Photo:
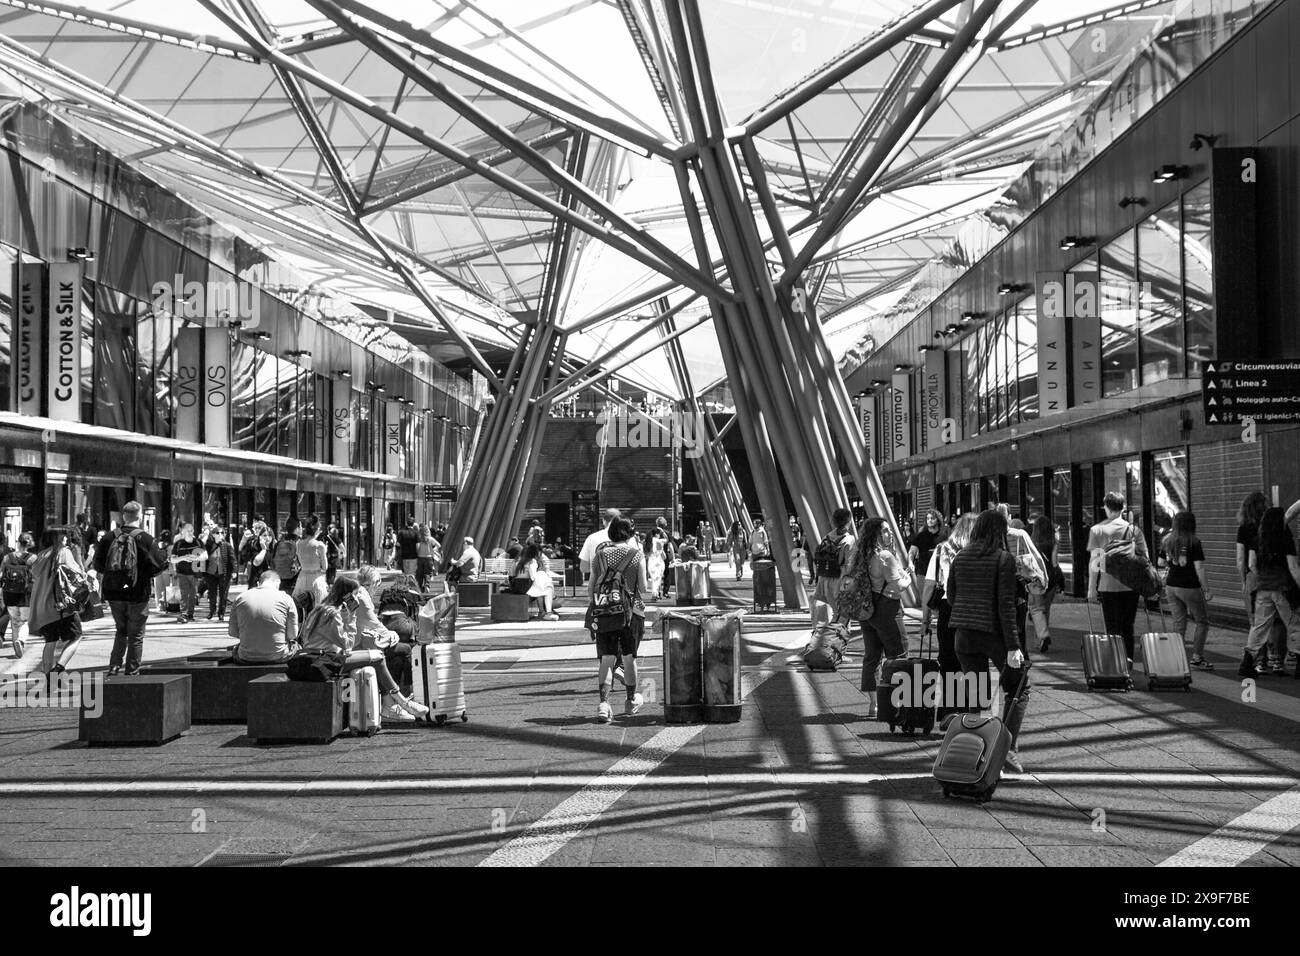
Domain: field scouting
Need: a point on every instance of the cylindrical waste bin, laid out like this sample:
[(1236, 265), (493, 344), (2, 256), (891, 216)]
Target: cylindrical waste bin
[(721, 652), (683, 693), (764, 570), (692, 579)]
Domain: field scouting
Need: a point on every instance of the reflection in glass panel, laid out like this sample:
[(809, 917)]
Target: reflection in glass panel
[(1118, 316), (242, 397), (969, 388), (1169, 489), (114, 362), (146, 350), (361, 443), (1027, 357), (1061, 518), (307, 422), (1198, 277), (287, 407), (1010, 374), (997, 375), (164, 400), (88, 352), (1161, 295), (264, 412)]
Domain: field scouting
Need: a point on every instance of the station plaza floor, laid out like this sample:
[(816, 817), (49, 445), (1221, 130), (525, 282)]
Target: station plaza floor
[(1138, 778)]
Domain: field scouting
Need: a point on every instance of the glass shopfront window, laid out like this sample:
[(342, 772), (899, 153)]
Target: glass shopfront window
[(1198, 277), (1161, 295), (1170, 489), (1118, 306), (265, 399), (1026, 347), (243, 395)]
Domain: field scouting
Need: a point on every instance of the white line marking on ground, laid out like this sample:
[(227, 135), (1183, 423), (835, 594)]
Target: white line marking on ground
[(556, 828), (1238, 841)]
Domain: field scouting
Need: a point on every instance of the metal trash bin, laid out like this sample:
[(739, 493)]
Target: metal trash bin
[(764, 574), (722, 643), (683, 691), (692, 580)]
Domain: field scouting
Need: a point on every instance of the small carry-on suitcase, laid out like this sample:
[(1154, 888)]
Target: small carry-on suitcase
[(914, 714), (974, 751), (1164, 659), (764, 571), (1105, 660), (360, 689), (438, 680), (171, 595)]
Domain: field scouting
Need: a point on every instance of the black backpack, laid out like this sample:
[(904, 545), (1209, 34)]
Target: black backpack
[(826, 559), (123, 558), (16, 576)]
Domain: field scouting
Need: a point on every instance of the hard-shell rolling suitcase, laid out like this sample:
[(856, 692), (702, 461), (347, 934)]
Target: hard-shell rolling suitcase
[(911, 712), (360, 690), (1105, 660), (1164, 659), (764, 571), (974, 751), (438, 680)]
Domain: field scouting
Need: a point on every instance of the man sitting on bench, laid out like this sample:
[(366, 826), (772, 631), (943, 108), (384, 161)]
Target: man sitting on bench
[(264, 620)]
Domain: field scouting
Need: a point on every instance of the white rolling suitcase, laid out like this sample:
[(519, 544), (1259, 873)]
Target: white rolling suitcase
[(360, 690), (438, 680)]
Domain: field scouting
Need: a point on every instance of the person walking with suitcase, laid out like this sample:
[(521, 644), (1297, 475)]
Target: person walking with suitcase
[(737, 544), (982, 591), (1249, 514), (1184, 557), (936, 606), (1119, 603), (878, 568), (126, 561)]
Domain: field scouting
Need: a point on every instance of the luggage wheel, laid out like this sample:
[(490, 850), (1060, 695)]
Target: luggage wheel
[(464, 717), (891, 728), (440, 719)]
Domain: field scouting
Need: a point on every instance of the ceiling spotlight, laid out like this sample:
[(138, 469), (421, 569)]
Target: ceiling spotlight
[(902, 367), (1169, 172), (426, 411), (879, 383), (1133, 201), (1200, 140), (235, 324), (298, 353), (1077, 242), (260, 335), (376, 387)]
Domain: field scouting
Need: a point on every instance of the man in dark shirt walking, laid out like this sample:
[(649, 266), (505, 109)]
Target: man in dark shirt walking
[(126, 561), (408, 547)]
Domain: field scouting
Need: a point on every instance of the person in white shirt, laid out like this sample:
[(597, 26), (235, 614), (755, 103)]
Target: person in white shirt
[(595, 540), (469, 561)]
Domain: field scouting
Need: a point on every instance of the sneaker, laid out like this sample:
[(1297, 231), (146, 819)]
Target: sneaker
[(113, 671), (604, 713), (1279, 668), (1201, 664), (552, 616), (395, 714), (181, 620), (1013, 761), (131, 672), (634, 703), (412, 707), (19, 648), (1247, 668)]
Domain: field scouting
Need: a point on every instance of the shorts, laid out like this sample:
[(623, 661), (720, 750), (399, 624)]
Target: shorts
[(622, 643), (64, 629)]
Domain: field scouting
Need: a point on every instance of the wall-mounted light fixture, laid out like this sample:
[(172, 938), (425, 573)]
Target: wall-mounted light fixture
[(80, 254), (1200, 140), (952, 328), (1011, 288), (879, 383), (260, 335), (376, 387), (1077, 242), (902, 367), (927, 348), (1134, 201), (343, 372), (968, 317), (1169, 172), (298, 353)]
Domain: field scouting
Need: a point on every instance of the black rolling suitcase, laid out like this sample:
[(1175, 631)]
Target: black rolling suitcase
[(974, 751), (913, 686)]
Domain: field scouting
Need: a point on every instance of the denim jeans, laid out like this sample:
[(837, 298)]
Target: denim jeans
[(883, 636), (189, 594), (1040, 610), (1271, 606), (128, 638), (1187, 603)]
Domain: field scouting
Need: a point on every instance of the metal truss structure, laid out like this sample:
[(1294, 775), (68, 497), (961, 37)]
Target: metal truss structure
[(677, 191)]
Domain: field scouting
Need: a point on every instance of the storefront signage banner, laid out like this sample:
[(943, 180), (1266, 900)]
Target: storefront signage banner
[(343, 424), (216, 387), (186, 384), (27, 340), (900, 416), (63, 345), (1053, 363), (395, 450), (867, 413), (934, 398)]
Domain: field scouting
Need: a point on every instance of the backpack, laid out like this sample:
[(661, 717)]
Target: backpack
[(826, 559), (285, 563), (324, 626), (826, 649), (16, 577), (124, 557), (611, 605)]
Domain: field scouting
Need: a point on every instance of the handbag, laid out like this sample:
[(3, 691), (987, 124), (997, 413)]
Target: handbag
[(72, 590), (315, 667)]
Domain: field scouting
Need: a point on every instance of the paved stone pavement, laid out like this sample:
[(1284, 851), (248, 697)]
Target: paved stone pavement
[(802, 779)]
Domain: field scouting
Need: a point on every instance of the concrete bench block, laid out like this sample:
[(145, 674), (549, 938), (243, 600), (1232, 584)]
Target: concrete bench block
[(475, 594), (219, 692), (144, 709), (509, 608), (292, 711)]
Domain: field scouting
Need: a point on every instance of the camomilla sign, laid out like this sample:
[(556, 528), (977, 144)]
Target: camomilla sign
[(76, 909), (216, 303)]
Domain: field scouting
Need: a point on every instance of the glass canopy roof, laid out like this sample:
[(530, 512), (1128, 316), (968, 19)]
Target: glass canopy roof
[(480, 163)]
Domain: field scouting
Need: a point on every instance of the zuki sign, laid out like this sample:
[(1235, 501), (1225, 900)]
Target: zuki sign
[(63, 345)]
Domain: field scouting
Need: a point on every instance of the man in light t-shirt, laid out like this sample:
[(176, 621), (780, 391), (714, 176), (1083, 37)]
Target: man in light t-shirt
[(595, 540)]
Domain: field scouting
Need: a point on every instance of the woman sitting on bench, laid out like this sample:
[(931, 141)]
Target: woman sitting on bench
[(361, 639), (535, 571)]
